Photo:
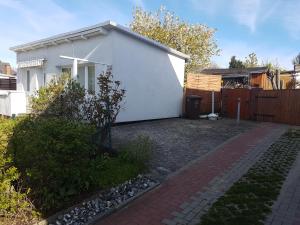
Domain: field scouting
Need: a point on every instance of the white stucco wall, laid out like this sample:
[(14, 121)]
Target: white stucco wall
[(153, 79)]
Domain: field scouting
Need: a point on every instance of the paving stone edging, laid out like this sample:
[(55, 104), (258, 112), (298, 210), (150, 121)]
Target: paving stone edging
[(100, 216), (199, 204)]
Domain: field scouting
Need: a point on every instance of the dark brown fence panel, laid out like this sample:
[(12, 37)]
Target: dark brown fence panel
[(281, 106), (230, 101), (8, 84)]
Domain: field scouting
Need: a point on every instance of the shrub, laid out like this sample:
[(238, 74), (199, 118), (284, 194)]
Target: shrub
[(63, 98), (52, 161), (137, 151), (13, 204), (54, 157)]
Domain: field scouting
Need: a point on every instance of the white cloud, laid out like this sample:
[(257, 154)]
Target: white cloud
[(31, 20), (41, 16), (246, 12)]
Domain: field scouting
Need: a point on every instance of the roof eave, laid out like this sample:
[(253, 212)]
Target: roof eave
[(102, 27)]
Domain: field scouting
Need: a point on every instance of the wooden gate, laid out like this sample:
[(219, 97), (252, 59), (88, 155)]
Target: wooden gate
[(230, 101)]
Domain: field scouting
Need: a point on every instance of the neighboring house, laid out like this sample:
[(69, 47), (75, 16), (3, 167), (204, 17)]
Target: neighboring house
[(11, 101), (248, 77), (152, 74), (5, 68)]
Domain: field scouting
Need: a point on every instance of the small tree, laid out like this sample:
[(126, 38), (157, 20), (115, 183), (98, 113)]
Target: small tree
[(235, 63), (296, 60), (101, 109), (273, 74), (251, 60), (66, 99)]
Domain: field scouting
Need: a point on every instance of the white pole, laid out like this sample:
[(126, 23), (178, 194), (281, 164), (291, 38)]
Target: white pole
[(238, 110), (212, 102), (74, 72), (86, 78)]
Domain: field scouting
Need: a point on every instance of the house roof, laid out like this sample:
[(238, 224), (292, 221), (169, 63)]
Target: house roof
[(84, 33), (235, 71)]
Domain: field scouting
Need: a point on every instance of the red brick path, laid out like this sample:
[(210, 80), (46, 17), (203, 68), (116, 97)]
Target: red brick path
[(158, 204)]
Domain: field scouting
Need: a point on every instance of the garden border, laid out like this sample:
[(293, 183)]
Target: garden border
[(52, 218)]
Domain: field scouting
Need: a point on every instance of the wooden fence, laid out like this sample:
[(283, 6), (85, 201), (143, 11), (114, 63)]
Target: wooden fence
[(202, 85), (8, 84), (282, 106)]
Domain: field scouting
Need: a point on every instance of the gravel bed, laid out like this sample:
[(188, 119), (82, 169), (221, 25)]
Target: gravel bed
[(105, 202)]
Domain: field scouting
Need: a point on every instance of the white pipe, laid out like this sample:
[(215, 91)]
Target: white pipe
[(238, 110), (86, 78), (74, 71), (213, 102)]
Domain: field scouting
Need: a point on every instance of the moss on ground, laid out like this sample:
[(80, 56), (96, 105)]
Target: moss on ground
[(250, 199)]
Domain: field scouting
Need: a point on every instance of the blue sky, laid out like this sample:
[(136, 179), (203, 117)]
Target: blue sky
[(270, 28)]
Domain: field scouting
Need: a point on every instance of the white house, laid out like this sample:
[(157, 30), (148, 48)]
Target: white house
[(152, 74)]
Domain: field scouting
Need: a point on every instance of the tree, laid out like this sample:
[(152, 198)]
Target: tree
[(251, 60), (195, 40), (296, 60), (235, 63), (66, 99), (101, 109), (273, 73)]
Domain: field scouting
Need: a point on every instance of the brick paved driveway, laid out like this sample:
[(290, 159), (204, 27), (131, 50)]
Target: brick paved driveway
[(175, 200), (178, 141)]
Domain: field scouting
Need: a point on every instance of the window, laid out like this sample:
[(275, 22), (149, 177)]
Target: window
[(66, 70), (91, 78), (28, 80), (81, 75)]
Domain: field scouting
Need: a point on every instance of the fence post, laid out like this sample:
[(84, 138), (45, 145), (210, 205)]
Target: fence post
[(238, 110), (212, 102)]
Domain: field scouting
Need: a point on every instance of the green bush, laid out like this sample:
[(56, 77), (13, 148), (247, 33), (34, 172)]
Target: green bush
[(13, 204), (138, 151), (58, 161), (63, 97), (46, 163), (54, 158)]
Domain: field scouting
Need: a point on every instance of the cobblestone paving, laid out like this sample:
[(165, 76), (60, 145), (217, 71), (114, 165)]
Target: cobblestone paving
[(199, 204), (178, 141), (286, 210), (186, 194)]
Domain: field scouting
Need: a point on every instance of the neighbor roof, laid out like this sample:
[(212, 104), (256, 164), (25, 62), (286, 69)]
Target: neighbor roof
[(86, 32)]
